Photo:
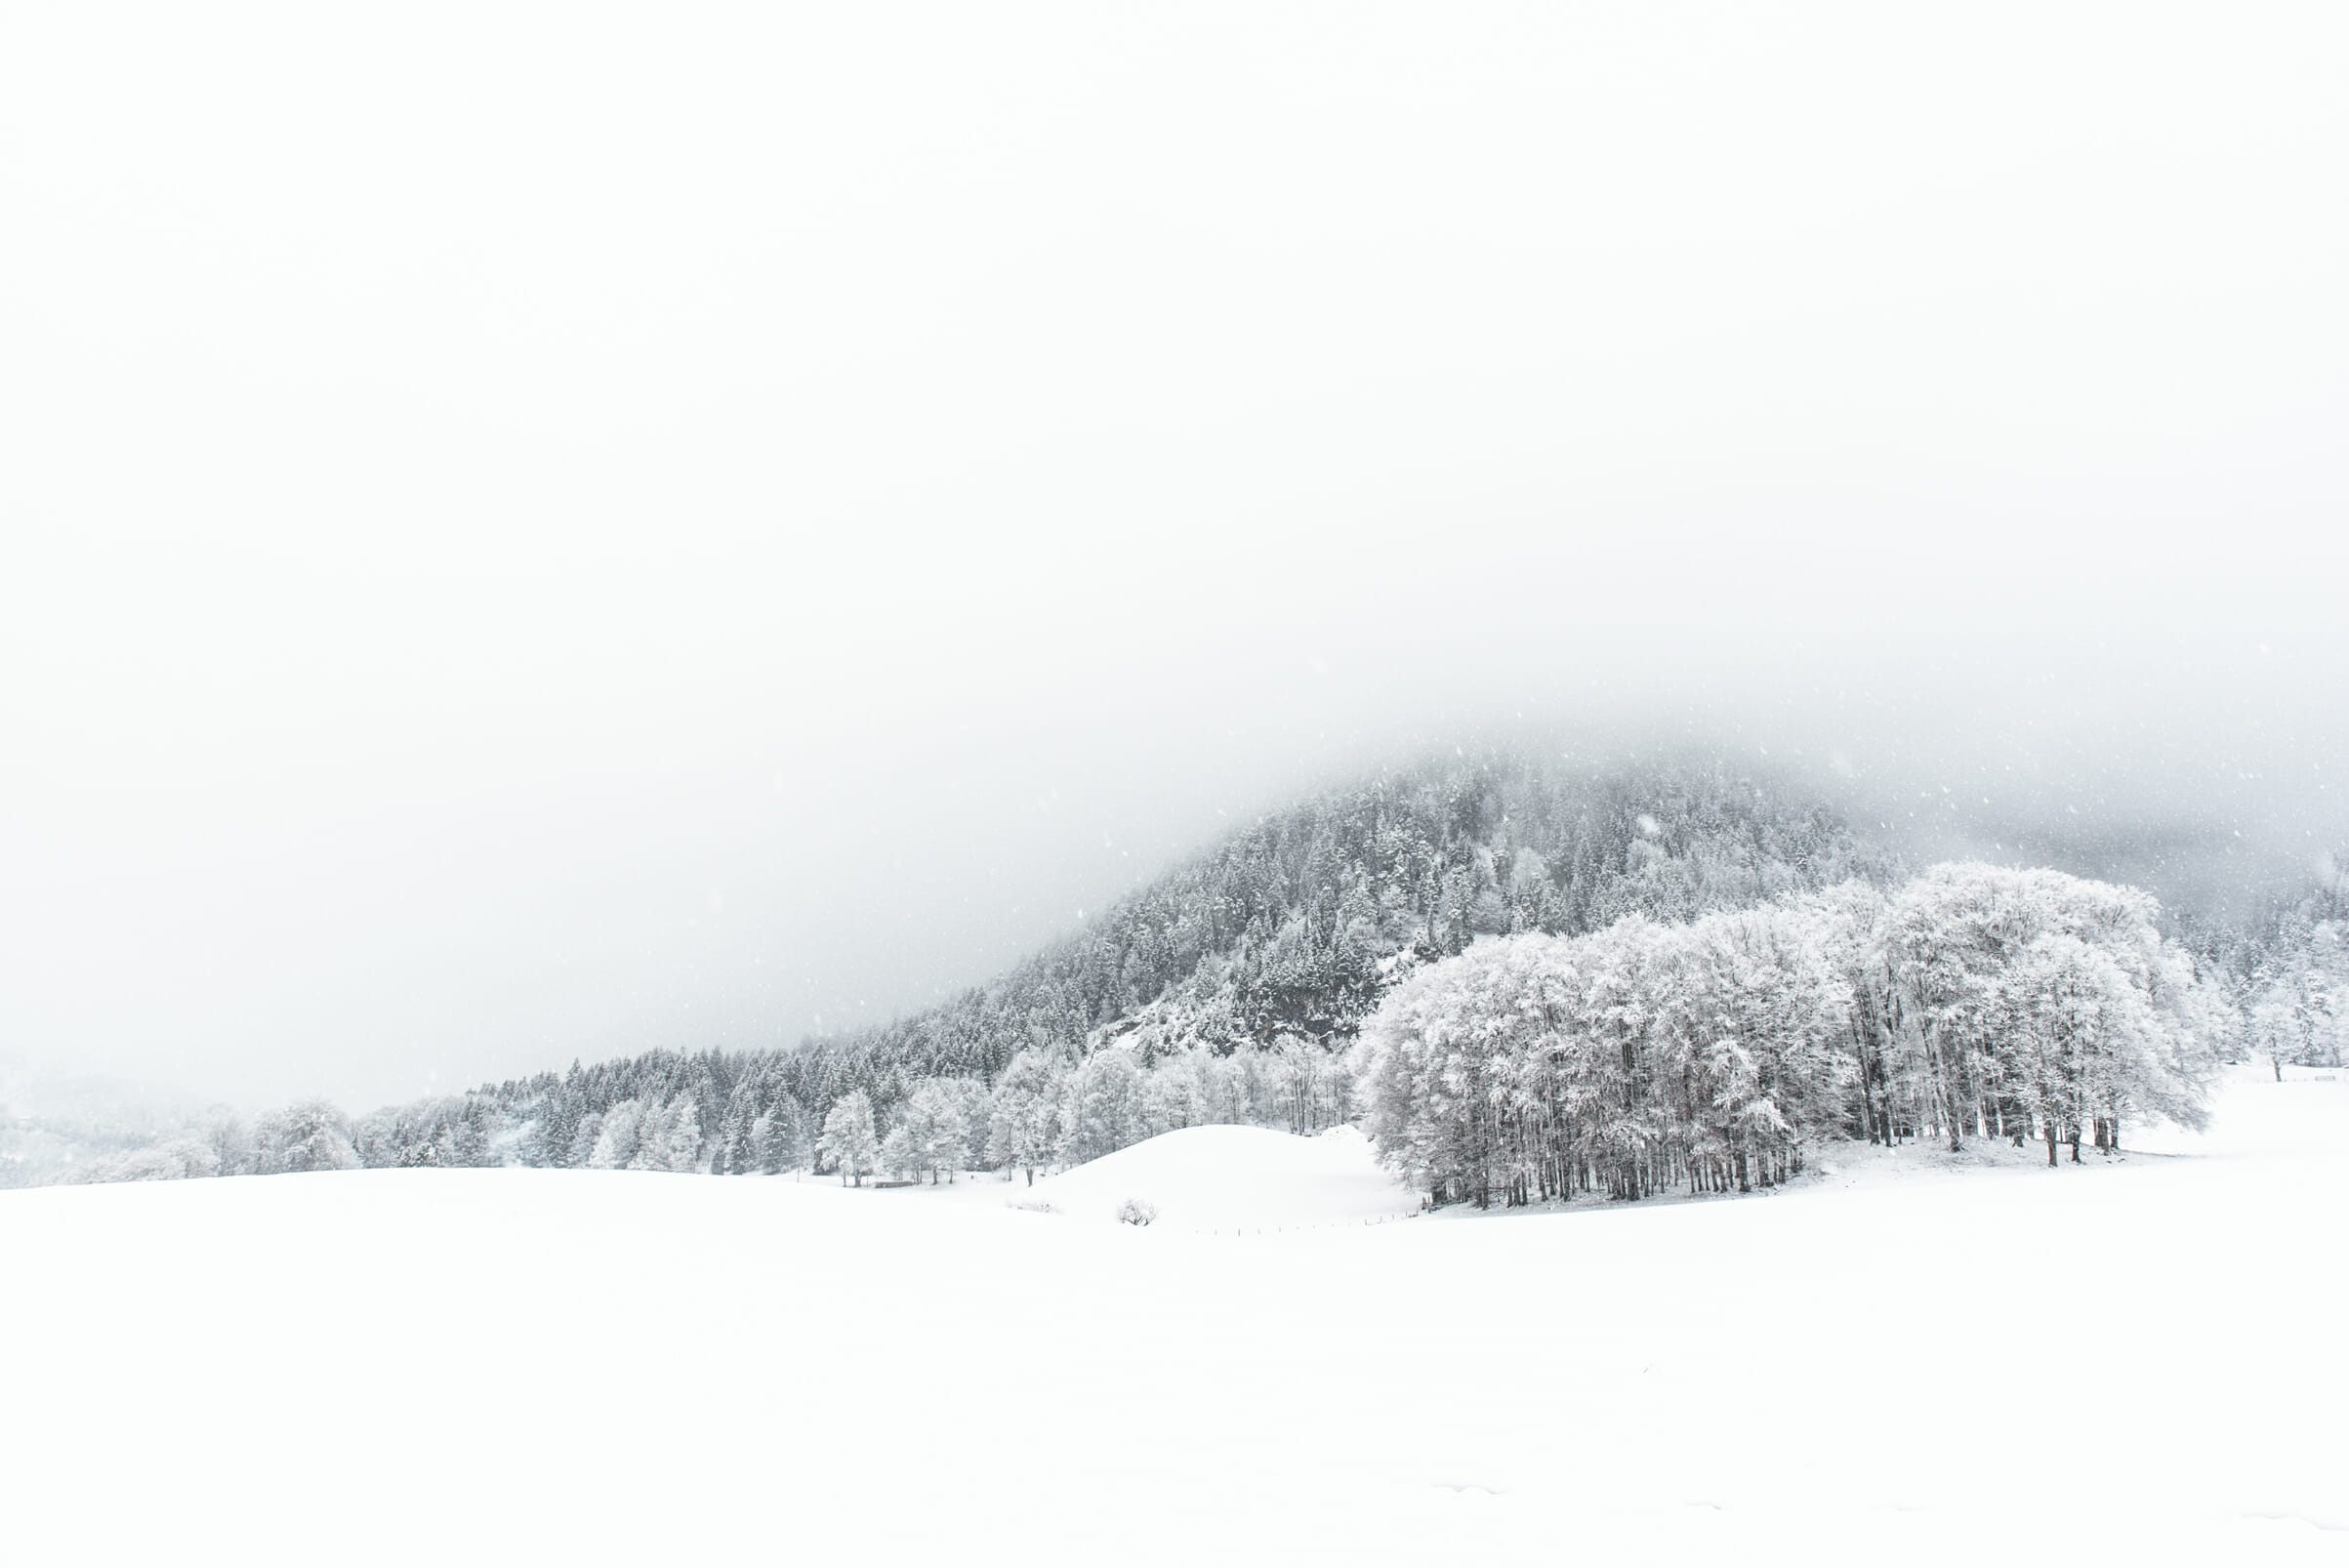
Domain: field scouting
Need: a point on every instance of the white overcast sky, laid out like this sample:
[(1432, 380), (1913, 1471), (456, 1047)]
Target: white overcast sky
[(539, 531)]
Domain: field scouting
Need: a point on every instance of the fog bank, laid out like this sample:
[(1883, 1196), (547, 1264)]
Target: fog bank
[(532, 534)]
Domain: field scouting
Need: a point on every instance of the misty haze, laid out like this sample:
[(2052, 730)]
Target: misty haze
[(1398, 783)]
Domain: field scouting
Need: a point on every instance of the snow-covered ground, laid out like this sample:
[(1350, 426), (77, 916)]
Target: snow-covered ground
[(1237, 1180), (2138, 1360)]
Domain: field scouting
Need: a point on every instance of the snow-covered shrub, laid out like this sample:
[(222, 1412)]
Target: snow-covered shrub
[(1138, 1212)]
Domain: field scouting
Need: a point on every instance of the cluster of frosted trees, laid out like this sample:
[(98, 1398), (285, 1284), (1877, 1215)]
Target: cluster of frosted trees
[(309, 1135), (1973, 1000), (1049, 1109), (640, 1135)]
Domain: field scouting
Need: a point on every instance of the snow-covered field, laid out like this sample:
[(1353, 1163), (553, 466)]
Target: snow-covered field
[(2139, 1360), (1236, 1180)]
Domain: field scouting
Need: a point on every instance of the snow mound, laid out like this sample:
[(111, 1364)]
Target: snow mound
[(1226, 1178)]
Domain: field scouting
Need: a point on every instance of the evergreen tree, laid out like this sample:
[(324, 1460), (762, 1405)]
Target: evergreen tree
[(783, 1145)]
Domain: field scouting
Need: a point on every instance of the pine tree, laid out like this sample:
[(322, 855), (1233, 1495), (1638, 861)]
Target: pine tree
[(784, 1147)]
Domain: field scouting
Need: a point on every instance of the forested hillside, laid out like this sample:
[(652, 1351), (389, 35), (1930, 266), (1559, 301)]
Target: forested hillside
[(1264, 953), (1292, 928), (1234, 988)]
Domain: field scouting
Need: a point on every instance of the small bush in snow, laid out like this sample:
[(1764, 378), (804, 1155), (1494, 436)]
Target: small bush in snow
[(1137, 1211)]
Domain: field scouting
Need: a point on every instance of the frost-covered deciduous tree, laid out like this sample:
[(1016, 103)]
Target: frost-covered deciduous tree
[(1755, 1027), (936, 1136), (668, 1137), (1023, 1121), (1179, 1091), (619, 1137), (848, 1140), (1309, 1084), (1988, 965), (1437, 1066), (1103, 1108)]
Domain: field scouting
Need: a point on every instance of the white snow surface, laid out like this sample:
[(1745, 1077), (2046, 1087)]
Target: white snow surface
[(1235, 1180), (2137, 1360)]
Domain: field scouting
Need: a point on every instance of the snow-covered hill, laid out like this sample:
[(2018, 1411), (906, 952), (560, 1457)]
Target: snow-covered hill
[(2135, 1361)]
